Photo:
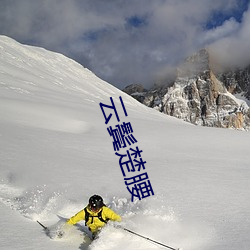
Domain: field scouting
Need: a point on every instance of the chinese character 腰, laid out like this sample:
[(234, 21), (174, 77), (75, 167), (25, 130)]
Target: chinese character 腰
[(141, 186)]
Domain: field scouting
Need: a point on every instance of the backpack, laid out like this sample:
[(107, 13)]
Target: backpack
[(99, 216)]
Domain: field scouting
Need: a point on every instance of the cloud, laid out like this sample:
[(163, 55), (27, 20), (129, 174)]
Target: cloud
[(233, 49), (228, 28), (125, 42)]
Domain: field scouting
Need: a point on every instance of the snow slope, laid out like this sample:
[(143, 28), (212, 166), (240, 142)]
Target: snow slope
[(56, 152)]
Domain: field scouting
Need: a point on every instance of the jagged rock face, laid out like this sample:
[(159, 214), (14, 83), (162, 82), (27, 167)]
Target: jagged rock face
[(237, 81), (199, 97), (204, 102), (136, 90), (133, 88)]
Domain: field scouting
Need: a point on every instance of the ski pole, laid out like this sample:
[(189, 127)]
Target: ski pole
[(159, 243), (45, 228)]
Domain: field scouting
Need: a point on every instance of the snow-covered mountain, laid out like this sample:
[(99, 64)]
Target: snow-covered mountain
[(56, 152), (201, 95)]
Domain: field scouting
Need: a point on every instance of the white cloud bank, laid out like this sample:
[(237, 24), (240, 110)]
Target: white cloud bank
[(130, 41)]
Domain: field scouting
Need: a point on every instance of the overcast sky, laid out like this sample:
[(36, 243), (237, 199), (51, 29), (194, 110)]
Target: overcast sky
[(131, 41)]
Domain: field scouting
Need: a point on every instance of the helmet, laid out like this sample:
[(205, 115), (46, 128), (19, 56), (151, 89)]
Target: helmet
[(95, 202)]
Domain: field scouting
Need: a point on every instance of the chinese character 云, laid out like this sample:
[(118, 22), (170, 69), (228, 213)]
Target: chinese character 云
[(112, 106)]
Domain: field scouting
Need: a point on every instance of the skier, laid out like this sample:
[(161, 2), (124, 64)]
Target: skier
[(95, 214)]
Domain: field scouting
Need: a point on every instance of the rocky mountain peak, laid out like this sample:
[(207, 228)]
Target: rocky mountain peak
[(196, 64), (200, 96)]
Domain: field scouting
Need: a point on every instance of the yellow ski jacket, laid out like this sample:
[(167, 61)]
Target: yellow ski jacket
[(94, 223)]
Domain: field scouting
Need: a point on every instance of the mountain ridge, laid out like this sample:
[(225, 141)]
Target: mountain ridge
[(201, 95)]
